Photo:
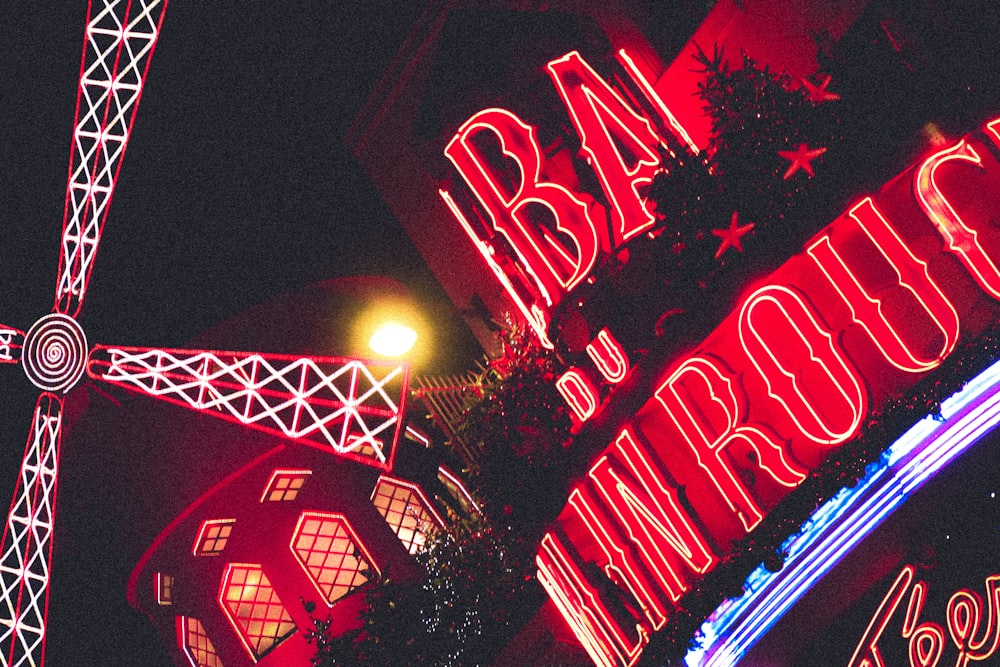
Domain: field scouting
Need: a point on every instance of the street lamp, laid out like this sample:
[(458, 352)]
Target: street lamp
[(392, 339)]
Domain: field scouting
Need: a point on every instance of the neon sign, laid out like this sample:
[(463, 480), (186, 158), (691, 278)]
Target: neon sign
[(973, 625), (875, 301), (538, 232)]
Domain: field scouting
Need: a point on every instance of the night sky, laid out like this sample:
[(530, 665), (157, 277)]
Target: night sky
[(235, 188)]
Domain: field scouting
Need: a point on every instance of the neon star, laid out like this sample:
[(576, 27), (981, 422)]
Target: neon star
[(732, 237), (801, 158), (819, 93)]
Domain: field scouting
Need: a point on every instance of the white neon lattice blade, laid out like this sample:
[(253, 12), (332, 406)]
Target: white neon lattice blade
[(26, 551), (118, 45), (11, 344), (349, 407)]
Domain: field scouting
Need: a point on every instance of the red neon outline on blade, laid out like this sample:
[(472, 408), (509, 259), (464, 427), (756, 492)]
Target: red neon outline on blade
[(257, 390), (537, 250), (100, 136), (578, 602), (28, 538), (911, 274), (578, 392), (355, 541), (709, 448), (784, 385), (609, 356), (593, 105), (11, 344), (536, 317), (961, 240), (654, 98)]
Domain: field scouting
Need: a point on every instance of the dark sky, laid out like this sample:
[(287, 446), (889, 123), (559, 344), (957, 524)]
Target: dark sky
[(235, 188)]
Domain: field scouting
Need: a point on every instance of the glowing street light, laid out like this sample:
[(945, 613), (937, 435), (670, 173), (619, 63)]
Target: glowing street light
[(392, 339)]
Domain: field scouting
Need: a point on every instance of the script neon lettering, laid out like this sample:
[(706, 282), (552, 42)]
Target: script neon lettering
[(602, 636), (962, 240), (701, 400), (784, 339), (554, 267), (927, 641), (604, 122), (578, 391), (609, 357), (868, 310), (867, 653), (965, 612)]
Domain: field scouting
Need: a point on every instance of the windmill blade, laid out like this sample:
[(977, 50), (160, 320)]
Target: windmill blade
[(350, 407), (11, 344), (27, 541), (118, 46)]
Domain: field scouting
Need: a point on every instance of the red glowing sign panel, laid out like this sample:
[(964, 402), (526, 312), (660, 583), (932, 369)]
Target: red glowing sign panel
[(876, 300), (703, 401)]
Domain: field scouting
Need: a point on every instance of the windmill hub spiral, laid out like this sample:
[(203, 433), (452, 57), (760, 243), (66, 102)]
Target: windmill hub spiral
[(55, 353)]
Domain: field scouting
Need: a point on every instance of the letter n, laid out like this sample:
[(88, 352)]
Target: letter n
[(648, 510)]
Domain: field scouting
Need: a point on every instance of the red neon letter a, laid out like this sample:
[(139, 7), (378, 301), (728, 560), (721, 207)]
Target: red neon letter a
[(604, 122), (553, 266)]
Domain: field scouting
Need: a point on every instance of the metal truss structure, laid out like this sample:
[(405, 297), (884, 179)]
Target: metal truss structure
[(349, 407)]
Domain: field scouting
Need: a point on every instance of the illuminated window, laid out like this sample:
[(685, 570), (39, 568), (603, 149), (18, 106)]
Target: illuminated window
[(195, 644), (407, 511), (254, 609), (164, 588), (284, 485), (213, 536), (331, 553)]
